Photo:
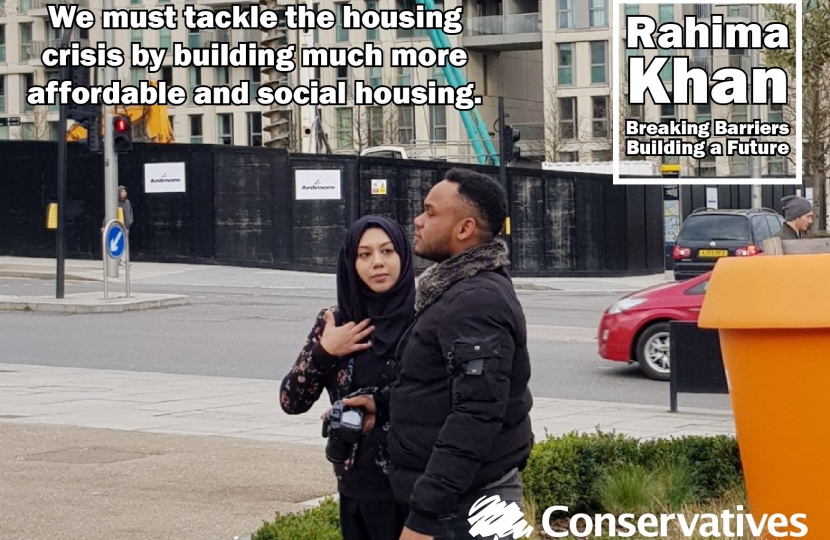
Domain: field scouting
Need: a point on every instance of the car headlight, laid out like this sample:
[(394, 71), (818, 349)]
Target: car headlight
[(625, 304)]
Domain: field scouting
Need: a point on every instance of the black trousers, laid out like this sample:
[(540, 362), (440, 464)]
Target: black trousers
[(371, 520)]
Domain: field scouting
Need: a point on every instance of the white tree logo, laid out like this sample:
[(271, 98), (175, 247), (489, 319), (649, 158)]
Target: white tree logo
[(492, 517)]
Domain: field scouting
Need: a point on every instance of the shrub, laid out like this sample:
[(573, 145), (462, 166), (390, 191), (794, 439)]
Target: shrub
[(319, 523), (570, 469)]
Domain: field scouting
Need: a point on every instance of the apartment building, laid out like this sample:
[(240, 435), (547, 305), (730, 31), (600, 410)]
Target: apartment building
[(25, 30), (503, 40)]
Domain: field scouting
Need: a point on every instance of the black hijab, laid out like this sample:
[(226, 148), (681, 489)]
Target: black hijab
[(390, 312)]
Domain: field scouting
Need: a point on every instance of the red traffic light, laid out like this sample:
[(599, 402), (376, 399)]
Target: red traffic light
[(121, 124)]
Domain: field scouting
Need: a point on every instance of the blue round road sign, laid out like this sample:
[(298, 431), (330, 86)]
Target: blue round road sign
[(116, 241)]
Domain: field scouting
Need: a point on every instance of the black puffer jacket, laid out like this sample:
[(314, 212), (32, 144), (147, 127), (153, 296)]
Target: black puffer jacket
[(459, 409)]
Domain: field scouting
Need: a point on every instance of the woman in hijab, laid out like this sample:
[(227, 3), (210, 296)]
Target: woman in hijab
[(353, 349)]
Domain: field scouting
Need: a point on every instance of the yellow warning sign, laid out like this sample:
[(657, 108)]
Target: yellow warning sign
[(378, 187), (52, 216)]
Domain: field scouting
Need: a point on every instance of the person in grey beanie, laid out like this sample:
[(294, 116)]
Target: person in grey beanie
[(798, 214)]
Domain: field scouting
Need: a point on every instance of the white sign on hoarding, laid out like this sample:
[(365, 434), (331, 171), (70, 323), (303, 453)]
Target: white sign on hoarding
[(164, 178), (317, 184)]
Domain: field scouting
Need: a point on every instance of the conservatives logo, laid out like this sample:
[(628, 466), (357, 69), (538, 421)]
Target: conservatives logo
[(491, 518)]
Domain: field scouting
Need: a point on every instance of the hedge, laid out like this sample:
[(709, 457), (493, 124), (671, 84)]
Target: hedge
[(565, 471)]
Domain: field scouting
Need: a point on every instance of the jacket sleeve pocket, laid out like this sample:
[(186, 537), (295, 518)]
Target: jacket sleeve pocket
[(476, 369)]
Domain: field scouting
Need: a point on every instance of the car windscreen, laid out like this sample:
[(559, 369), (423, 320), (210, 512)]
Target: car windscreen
[(721, 228)]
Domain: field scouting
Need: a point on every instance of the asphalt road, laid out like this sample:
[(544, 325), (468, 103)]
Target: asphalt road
[(256, 332)]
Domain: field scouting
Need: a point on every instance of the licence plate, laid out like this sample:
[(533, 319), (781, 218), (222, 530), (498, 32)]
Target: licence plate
[(713, 253)]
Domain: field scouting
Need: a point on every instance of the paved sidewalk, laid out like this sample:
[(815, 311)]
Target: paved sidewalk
[(229, 276), (249, 408), (167, 456)]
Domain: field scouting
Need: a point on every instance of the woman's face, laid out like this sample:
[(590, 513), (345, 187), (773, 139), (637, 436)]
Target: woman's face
[(378, 263)]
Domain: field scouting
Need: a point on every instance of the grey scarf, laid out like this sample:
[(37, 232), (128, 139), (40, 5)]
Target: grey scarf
[(439, 277)]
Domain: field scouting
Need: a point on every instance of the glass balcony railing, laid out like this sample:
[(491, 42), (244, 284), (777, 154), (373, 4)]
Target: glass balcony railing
[(497, 25), (713, 63)]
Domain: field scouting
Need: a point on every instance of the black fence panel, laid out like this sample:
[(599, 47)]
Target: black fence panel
[(242, 206)]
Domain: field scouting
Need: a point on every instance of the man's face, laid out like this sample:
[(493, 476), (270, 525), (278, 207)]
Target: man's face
[(435, 227), (804, 222), (122, 193)]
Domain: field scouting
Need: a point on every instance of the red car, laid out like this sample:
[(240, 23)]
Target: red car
[(636, 327)]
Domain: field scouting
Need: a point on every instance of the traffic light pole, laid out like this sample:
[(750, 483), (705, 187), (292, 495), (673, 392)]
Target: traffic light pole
[(60, 271), (110, 163)]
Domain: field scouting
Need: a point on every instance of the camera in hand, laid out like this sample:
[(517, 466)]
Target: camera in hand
[(343, 426)]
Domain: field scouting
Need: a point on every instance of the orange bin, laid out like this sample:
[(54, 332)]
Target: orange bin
[(773, 318)]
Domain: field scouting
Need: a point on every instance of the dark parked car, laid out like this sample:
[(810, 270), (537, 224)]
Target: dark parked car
[(709, 234)]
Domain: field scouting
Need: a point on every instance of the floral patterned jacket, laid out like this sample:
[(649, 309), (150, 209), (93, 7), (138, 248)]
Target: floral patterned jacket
[(314, 371)]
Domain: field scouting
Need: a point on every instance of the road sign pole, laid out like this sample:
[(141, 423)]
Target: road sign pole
[(105, 256), (110, 162), (127, 256)]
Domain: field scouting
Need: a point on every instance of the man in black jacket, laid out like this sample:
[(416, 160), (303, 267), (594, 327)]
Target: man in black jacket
[(459, 411)]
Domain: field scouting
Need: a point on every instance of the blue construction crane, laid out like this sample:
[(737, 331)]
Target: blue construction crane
[(477, 131)]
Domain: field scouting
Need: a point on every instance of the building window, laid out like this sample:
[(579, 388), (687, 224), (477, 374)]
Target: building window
[(438, 122), (137, 75), (345, 122), (703, 112), (739, 113), (666, 72), (565, 13), (632, 10), (195, 75), (404, 76), (255, 80), (600, 116), (27, 80), (2, 39), (602, 155), (629, 53), (666, 13), (568, 157), (567, 118), (53, 131), (194, 40), (372, 34), (739, 165), (26, 52), (2, 93), (223, 76), (27, 131), (406, 124), (196, 133), (341, 34), (777, 165), (438, 76), (706, 166), (668, 112), (598, 62), (343, 76), (164, 38), (636, 112), (224, 129), (375, 125), (375, 76), (167, 74), (566, 64), (136, 35), (597, 13), (254, 129), (776, 113)]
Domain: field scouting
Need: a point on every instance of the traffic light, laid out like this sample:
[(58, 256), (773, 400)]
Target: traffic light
[(123, 133), (83, 113), (510, 137)]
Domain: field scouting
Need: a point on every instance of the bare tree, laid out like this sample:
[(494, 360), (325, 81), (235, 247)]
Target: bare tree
[(40, 117)]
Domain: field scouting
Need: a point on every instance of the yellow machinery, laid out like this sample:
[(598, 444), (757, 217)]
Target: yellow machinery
[(153, 122)]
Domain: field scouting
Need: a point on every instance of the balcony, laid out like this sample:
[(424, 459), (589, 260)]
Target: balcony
[(36, 49), (37, 8), (734, 13), (713, 63), (503, 32)]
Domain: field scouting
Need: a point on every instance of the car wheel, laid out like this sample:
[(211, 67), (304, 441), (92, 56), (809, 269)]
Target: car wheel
[(653, 352)]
